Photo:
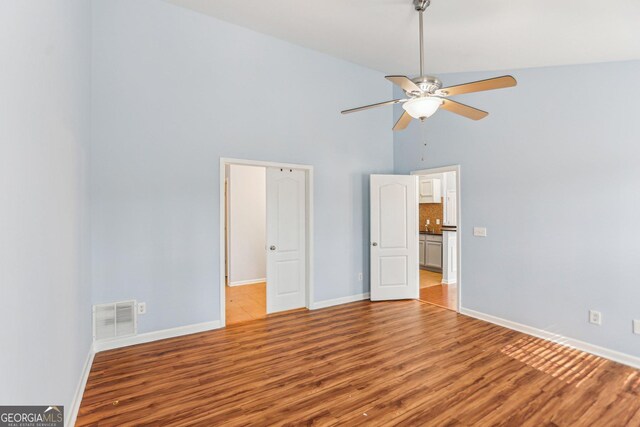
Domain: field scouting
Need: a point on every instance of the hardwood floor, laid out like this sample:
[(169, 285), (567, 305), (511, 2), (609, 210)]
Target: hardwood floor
[(434, 292), (429, 278), (389, 363), (246, 302), (445, 296)]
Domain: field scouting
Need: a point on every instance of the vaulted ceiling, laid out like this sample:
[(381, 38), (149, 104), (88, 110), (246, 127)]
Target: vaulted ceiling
[(461, 35)]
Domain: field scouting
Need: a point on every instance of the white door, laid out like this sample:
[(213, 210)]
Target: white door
[(286, 257), (394, 237)]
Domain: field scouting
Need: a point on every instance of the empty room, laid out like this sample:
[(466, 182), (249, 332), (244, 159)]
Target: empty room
[(280, 212)]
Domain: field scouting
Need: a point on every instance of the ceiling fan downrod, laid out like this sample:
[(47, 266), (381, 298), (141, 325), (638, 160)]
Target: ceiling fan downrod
[(421, 6)]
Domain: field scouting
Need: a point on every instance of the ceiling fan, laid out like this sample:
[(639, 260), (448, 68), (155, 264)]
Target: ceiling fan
[(425, 94)]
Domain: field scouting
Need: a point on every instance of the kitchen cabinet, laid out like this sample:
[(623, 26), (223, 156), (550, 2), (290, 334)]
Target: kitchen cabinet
[(430, 190), (434, 255), (431, 252)]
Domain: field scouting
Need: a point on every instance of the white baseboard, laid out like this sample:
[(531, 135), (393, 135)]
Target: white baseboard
[(247, 282), (616, 356), (72, 412), (155, 336), (338, 301), (449, 282)]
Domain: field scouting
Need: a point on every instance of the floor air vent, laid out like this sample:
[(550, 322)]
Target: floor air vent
[(114, 320)]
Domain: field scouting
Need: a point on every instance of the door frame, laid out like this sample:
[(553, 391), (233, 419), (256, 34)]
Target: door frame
[(308, 169), (456, 169)]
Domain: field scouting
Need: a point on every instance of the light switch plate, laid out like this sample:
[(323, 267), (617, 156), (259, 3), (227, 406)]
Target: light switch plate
[(636, 326), (480, 231)]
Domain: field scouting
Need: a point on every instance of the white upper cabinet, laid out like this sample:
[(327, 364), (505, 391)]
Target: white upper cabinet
[(430, 190)]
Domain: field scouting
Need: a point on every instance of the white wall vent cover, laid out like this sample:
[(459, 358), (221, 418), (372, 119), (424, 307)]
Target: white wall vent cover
[(114, 320)]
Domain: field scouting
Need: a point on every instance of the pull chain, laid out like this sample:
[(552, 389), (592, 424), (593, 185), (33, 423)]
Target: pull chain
[(423, 140)]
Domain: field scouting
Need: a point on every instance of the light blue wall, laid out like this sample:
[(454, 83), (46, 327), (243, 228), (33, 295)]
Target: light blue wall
[(172, 92), (553, 174), (44, 129)]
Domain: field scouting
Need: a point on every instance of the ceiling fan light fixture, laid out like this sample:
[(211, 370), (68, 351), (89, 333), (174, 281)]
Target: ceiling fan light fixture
[(422, 108)]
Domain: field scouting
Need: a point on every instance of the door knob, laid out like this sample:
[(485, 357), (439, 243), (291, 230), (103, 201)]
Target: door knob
[(273, 248), (374, 244)]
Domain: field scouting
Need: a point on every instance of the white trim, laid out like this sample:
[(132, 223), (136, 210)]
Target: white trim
[(338, 301), (248, 282), (72, 414), (309, 224), (616, 356), (266, 164), (227, 249), (155, 335), (449, 282), (456, 169), (309, 238)]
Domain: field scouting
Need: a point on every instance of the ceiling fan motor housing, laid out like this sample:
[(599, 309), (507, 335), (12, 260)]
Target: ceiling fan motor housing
[(421, 5), (427, 84)]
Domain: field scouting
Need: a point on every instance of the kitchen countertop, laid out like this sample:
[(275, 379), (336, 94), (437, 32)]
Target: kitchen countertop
[(431, 233)]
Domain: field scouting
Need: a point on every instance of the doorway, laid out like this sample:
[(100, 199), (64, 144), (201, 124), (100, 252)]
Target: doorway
[(266, 238), (438, 191), (245, 234), (411, 244)]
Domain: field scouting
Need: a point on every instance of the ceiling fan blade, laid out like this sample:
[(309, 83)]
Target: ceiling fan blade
[(404, 82), (379, 104), (403, 121), (479, 86), (463, 110)]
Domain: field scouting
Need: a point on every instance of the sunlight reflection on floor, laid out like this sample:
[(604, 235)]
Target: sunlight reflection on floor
[(564, 363), (632, 383)]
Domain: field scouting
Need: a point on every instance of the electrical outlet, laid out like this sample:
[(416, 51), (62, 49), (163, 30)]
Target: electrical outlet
[(636, 327), (360, 277), (480, 231), (595, 317), (142, 308)]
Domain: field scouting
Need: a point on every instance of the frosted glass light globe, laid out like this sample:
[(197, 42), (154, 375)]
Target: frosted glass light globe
[(422, 108)]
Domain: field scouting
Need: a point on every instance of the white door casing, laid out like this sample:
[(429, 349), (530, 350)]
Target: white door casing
[(286, 258), (394, 237)]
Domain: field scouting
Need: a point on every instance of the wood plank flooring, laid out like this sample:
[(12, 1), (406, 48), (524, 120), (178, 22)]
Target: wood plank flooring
[(400, 363), (445, 296), (429, 278), (434, 292), (246, 302)]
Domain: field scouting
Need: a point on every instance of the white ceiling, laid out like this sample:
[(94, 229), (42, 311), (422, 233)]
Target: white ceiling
[(461, 35)]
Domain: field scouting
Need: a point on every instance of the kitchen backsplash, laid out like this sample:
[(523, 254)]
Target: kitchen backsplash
[(431, 211)]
